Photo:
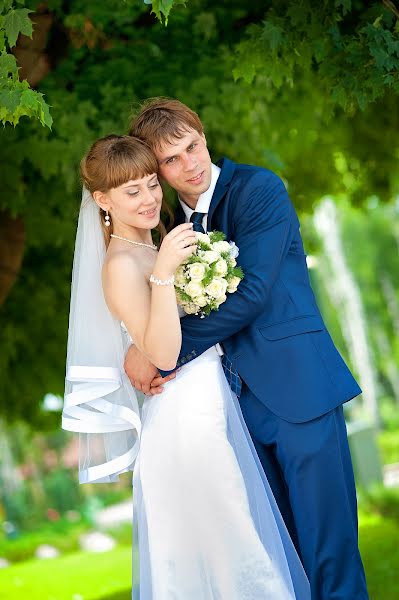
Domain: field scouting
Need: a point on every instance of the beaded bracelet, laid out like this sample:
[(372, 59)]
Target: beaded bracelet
[(162, 281)]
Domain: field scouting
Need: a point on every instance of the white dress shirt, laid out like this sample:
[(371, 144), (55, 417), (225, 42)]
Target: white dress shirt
[(203, 204)]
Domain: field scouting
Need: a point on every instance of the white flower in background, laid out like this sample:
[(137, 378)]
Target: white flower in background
[(233, 262), (210, 256), (221, 247), (194, 289), (196, 271), (233, 285), (204, 238), (201, 301), (217, 288), (180, 277), (234, 252), (221, 267), (191, 308)]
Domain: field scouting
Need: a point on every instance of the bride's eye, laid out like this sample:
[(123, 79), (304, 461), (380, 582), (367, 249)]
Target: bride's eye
[(154, 185), (132, 193)]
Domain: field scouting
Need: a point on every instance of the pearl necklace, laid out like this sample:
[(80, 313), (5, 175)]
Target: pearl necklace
[(118, 237)]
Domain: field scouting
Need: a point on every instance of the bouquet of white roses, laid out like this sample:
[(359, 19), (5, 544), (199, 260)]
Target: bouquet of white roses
[(203, 281)]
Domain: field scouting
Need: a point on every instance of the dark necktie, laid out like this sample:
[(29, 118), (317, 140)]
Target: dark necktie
[(196, 218)]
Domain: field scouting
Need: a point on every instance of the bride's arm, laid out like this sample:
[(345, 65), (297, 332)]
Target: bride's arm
[(149, 311)]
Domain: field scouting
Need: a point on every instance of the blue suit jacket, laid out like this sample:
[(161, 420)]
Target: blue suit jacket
[(271, 328)]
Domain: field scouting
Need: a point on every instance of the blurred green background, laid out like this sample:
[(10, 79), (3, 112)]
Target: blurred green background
[(308, 89)]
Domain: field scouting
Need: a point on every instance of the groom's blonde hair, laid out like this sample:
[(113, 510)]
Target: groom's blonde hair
[(160, 120)]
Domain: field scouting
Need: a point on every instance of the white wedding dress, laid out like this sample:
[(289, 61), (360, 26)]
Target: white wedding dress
[(205, 521), (206, 525)]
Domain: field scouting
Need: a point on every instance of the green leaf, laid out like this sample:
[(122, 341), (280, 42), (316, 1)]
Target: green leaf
[(238, 272), (8, 65), (5, 5), (298, 15), (30, 99), (217, 236), (162, 8), (16, 22), (45, 116), (346, 5), (377, 22), (273, 34), (2, 39), (10, 99)]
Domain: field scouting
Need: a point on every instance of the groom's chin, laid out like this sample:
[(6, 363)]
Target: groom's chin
[(204, 184)]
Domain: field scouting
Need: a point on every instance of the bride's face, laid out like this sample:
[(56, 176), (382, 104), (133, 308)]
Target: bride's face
[(136, 203)]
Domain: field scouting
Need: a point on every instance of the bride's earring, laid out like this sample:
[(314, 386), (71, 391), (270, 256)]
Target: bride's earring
[(107, 219)]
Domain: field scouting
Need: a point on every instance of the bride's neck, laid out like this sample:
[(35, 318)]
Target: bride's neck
[(133, 233)]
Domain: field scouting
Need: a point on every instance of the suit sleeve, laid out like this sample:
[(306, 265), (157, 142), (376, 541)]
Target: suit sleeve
[(264, 231)]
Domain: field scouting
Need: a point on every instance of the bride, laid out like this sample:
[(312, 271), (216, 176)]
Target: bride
[(206, 524)]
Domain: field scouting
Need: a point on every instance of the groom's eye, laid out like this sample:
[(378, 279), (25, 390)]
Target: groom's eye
[(192, 146), (171, 160)]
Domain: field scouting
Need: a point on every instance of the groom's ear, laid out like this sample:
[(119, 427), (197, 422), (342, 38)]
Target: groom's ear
[(204, 138), (101, 200)]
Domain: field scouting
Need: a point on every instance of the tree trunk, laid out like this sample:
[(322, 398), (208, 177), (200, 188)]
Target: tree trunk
[(34, 65), (12, 245)]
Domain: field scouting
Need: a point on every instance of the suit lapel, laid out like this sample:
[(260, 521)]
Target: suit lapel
[(227, 170), (180, 217)]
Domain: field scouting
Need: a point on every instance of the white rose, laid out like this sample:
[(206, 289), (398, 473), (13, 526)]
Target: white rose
[(232, 262), (210, 256), (204, 238), (201, 301), (221, 267), (194, 289), (233, 249), (221, 300), (196, 271), (221, 247), (233, 284), (180, 277), (217, 288), (191, 308)]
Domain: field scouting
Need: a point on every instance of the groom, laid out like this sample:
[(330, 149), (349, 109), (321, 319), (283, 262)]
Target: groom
[(278, 354)]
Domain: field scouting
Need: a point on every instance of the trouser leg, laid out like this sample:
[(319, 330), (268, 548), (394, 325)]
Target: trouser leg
[(315, 462)]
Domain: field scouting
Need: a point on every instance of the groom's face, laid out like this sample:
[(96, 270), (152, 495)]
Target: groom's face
[(186, 165)]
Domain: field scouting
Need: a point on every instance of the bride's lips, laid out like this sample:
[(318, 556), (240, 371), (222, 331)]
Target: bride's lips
[(197, 179), (149, 213)]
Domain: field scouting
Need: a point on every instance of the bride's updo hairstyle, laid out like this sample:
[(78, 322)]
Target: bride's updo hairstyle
[(113, 161)]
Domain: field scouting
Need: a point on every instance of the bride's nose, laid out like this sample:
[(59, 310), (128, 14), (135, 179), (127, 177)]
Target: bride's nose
[(147, 196)]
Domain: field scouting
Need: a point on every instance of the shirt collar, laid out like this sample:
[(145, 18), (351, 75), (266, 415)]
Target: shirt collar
[(204, 201)]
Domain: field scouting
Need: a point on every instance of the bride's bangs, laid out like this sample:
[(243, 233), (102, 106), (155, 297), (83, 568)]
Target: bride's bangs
[(130, 161)]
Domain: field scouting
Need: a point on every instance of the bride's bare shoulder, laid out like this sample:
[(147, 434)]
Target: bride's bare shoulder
[(122, 265)]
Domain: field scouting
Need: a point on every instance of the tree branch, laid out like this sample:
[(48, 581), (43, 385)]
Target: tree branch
[(390, 6)]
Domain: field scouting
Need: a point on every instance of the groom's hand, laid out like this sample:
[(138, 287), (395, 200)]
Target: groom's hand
[(143, 375)]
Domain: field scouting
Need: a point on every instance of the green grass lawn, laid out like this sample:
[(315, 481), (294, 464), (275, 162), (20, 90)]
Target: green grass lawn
[(379, 545), (107, 576), (79, 576)]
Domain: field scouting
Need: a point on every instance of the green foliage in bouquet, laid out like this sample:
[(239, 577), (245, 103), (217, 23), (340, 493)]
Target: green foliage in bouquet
[(205, 278)]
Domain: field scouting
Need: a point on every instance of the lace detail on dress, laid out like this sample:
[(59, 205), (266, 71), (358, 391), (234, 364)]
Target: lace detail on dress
[(259, 579)]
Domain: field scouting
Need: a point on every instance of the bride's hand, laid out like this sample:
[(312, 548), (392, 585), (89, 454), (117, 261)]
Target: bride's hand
[(179, 244)]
